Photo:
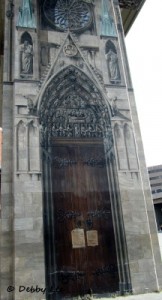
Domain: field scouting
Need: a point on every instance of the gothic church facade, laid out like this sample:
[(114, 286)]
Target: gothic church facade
[(77, 214)]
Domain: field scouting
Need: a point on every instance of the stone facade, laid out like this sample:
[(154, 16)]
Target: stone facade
[(48, 69)]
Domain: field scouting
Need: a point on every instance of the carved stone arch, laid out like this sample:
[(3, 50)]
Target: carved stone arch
[(130, 147), (110, 45), (72, 105), (22, 154), (77, 143), (120, 147), (26, 37), (71, 75)]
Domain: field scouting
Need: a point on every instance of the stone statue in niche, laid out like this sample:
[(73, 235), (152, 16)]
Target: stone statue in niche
[(114, 107), (113, 66), (30, 105), (26, 58)]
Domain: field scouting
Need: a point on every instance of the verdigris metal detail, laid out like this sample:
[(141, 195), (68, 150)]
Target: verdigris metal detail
[(62, 215), (95, 162), (99, 214), (59, 162), (106, 269), (107, 23), (26, 16), (66, 276), (72, 14)]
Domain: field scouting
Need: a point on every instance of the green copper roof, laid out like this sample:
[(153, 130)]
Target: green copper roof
[(26, 16), (107, 23)]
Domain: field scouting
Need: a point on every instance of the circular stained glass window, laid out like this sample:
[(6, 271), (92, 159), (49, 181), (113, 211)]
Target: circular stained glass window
[(74, 15)]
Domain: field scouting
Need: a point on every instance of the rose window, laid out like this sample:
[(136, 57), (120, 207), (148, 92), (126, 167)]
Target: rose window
[(74, 15)]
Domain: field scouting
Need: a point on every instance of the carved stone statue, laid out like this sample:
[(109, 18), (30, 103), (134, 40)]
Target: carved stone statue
[(113, 66), (114, 107), (26, 58)]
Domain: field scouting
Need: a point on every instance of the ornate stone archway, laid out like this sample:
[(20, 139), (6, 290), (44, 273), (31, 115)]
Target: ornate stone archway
[(74, 112), (76, 107)]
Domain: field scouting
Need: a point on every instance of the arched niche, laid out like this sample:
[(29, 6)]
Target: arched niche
[(26, 37), (80, 188), (110, 45), (130, 148), (22, 155), (112, 63), (26, 55), (33, 147), (120, 148)]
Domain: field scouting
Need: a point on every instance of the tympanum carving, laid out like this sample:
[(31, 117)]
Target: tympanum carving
[(74, 108)]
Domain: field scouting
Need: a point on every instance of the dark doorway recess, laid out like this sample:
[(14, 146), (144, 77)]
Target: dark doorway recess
[(79, 233), (84, 237)]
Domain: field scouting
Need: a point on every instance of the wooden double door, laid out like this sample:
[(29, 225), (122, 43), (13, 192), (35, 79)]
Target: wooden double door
[(83, 235)]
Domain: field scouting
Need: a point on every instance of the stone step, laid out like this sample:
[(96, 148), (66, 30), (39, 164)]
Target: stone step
[(149, 296)]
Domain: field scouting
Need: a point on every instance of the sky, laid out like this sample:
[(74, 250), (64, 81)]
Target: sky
[(144, 49)]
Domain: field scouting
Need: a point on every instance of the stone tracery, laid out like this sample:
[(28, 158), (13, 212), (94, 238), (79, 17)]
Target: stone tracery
[(73, 14), (73, 109)]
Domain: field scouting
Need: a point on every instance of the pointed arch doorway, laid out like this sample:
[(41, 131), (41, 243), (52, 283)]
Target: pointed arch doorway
[(83, 229)]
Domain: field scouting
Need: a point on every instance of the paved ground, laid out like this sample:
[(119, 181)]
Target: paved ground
[(152, 296)]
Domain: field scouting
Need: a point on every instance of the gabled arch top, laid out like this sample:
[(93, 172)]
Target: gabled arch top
[(72, 105), (69, 79)]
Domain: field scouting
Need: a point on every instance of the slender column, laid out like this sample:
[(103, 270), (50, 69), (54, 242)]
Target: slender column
[(9, 44), (122, 255)]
